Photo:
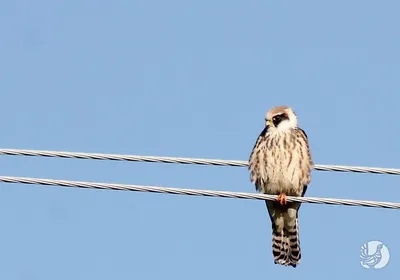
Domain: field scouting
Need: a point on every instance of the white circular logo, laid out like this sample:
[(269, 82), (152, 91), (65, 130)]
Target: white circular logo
[(374, 254)]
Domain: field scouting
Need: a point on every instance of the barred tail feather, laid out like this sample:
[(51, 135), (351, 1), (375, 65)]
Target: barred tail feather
[(286, 247)]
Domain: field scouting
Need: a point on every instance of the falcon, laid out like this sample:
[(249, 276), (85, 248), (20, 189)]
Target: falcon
[(280, 164)]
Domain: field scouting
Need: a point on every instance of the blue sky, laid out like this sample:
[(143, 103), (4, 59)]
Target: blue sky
[(192, 79)]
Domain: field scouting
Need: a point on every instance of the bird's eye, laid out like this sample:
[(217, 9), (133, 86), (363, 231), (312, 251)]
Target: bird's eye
[(276, 120)]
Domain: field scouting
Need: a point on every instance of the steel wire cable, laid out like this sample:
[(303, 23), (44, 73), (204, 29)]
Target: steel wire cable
[(180, 160), (195, 192)]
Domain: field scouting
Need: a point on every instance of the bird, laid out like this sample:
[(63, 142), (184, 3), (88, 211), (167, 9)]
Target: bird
[(280, 164), (371, 260)]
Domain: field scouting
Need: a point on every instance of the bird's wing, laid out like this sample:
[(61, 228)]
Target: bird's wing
[(257, 158), (306, 159), (364, 251), (367, 259), (371, 261)]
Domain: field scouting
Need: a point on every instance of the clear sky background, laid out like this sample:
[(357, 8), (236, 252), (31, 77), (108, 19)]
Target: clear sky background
[(192, 79)]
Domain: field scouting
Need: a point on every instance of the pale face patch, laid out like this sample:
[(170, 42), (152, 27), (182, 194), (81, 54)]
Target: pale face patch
[(286, 125)]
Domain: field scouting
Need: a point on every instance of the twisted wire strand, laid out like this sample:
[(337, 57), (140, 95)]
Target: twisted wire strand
[(193, 192), (198, 161)]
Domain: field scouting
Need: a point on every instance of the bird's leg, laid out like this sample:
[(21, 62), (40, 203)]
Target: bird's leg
[(282, 199)]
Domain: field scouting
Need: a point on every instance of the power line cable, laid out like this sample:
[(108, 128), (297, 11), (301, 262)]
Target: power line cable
[(194, 192), (179, 160)]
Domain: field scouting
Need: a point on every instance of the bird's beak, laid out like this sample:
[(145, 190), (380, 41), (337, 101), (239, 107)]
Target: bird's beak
[(268, 123)]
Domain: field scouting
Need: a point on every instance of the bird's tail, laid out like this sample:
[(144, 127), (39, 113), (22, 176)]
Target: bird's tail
[(286, 246)]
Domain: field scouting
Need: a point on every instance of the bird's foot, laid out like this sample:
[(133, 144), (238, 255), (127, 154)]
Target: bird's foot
[(282, 199)]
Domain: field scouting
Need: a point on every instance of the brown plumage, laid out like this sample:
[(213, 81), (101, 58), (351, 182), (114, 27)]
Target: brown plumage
[(280, 164)]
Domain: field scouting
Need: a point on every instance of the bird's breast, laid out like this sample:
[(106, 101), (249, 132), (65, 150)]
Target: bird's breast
[(282, 165)]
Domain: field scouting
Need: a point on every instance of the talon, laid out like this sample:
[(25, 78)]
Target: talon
[(282, 199)]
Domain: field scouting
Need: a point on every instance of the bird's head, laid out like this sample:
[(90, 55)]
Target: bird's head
[(280, 118)]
